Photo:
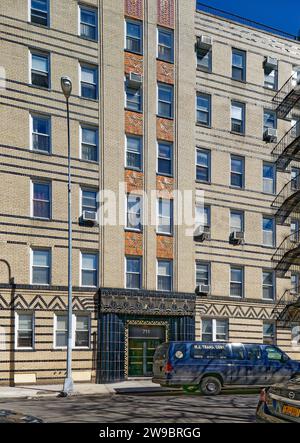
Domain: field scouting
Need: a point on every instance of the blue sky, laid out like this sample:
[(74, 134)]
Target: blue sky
[(280, 14)]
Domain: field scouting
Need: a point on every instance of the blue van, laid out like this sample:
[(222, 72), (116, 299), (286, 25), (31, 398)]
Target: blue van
[(210, 366)]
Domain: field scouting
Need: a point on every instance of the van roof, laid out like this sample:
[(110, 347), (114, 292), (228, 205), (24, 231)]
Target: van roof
[(217, 343)]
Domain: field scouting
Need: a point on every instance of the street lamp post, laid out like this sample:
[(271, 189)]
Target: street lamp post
[(66, 85)]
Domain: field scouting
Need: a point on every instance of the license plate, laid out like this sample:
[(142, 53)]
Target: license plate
[(290, 410)]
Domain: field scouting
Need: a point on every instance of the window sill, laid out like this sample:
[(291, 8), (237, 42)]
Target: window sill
[(93, 100), (36, 151), (237, 188), (39, 25), (160, 174), (92, 162), (164, 117), (270, 89), (169, 62), (41, 88), (241, 134), (133, 52), (203, 125), (164, 234), (243, 82), (208, 71), (134, 110), (82, 37), (137, 231), (127, 168), (41, 219), (203, 182), (24, 349), (268, 247)]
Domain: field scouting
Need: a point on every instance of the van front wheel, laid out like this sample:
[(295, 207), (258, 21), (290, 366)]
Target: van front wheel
[(210, 386)]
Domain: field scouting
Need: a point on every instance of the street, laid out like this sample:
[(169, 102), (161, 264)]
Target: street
[(178, 408)]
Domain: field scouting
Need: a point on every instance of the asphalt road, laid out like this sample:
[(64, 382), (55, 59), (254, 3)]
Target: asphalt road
[(177, 408)]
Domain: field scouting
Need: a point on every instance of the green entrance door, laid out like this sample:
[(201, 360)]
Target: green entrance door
[(143, 340)]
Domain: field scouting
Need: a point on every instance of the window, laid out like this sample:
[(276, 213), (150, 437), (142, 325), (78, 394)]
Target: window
[(238, 65), (269, 178), (238, 117), (165, 158), (133, 272), (204, 59), (133, 97), (39, 12), (88, 23), (268, 231), (294, 283), (295, 335), (165, 45), (271, 77), (236, 221), (236, 282), (164, 275), (82, 331), (41, 201), (165, 216), (270, 119), (295, 231), (24, 330), (134, 212), (237, 171), (295, 179), (269, 336), (89, 143), (202, 273), (203, 217), (134, 41), (41, 133), (89, 200), (165, 100), (203, 165), (134, 145), (214, 330), (40, 73), (89, 269), (41, 267), (268, 285), (60, 330), (89, 82), (204, 109)]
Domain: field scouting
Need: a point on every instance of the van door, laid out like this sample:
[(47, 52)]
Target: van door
[(256, 368), (238, 365), (278, 365)]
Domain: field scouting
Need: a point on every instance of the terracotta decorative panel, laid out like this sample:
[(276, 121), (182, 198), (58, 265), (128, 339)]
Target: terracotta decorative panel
[(134, 180), (165, 72), (133, 63), (133, 243), (164, 247), (166, 13), (134, 8), (165, 129), (165, 184), (133, 123)]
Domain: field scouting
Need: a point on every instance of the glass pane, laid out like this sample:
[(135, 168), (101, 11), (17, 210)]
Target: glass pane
[(89, 153), (82, 339), (41, 142), (88, 75), (236, 222), (164, 166), (164, 268), (133, 160), (41, 191), (134, 144), (236, 275), (82, 323), (164, 283), (269, 119), (237, 180), (164, 151), (88, 17), (88, 91), (25, 322), (61, 339), (25, 339), (89, 136), (207, 327), (40, 276), (238, 59), (236, 165), (40, 125), (202, 174), (41, 258), (41, 5), (133, 281), (89, 278), (268, 278), (61, 322), (133, 30), (237, 112), (40, 63), (133, 265), (89, 261), (165, 109), (41, 209)]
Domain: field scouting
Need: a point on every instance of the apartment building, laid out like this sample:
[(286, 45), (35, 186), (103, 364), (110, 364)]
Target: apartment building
[(165, 97)]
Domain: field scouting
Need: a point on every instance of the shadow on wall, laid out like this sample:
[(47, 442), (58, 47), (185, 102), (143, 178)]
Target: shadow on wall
[(7, 279)]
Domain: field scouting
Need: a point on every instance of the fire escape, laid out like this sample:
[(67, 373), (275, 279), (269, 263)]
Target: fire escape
[(287, 202)]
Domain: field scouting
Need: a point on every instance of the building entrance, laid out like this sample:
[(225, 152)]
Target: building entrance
[(142, 342)]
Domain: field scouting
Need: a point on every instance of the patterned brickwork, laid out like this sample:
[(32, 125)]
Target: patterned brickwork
[(133, 63), (165, 184), (134, 8), (166, 13), (165, 129), (134, 180), (133, 123), (165, 72), (133, 243), (165, 246)]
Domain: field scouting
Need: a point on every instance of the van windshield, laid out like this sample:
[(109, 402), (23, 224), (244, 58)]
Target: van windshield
[(161, 352)]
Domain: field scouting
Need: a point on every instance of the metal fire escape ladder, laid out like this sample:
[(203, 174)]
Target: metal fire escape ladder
[(287, 97)]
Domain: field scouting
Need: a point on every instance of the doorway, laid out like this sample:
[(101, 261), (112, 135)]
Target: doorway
[(142, 343)]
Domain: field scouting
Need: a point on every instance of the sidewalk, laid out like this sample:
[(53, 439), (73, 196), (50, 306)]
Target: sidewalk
[(39, 391)]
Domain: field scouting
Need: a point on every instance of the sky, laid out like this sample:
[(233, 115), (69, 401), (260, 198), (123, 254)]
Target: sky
[(281, 14)]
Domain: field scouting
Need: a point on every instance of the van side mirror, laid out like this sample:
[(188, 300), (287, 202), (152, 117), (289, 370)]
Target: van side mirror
[(284, 358)]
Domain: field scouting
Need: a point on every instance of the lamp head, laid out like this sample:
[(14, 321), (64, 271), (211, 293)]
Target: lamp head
[(66, 86)]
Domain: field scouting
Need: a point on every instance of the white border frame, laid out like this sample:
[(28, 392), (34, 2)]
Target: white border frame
[(74, 318), (34, 180), (91, 9), (172, 274), (16, 329), (40, 248), (46, 116), (85, 251)]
